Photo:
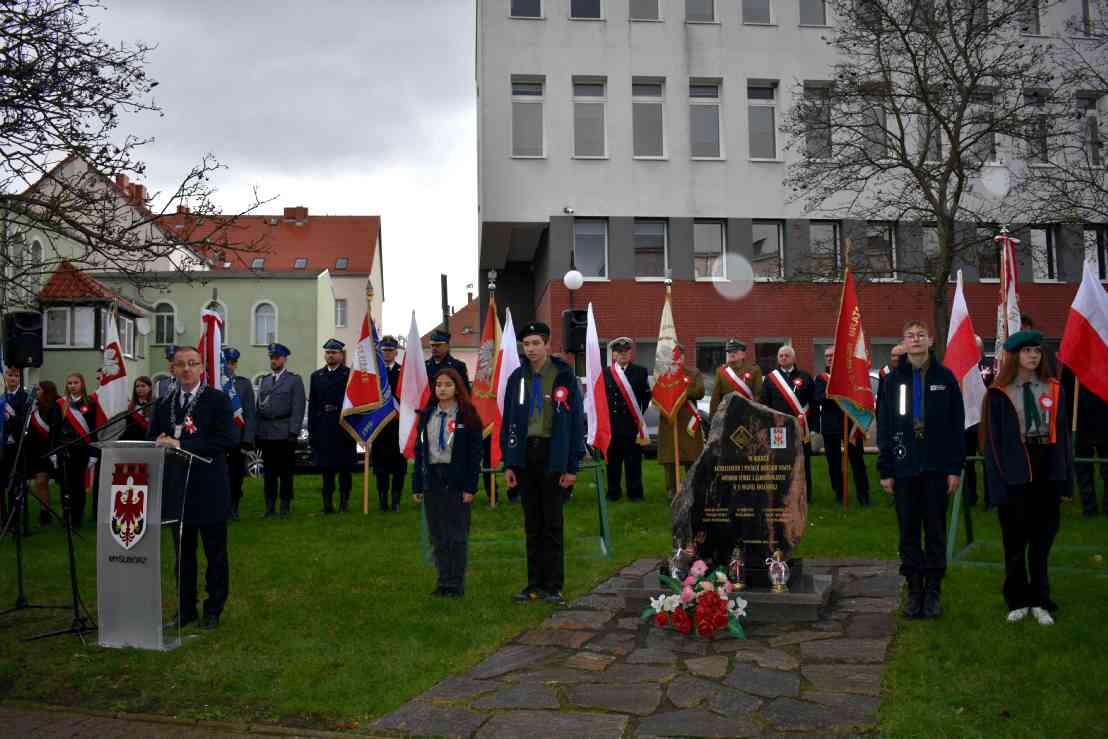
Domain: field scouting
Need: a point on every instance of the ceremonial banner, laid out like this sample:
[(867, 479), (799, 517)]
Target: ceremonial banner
[(596, 398), (507, 361), (849, 383), (962, 356), (669, 378), (1085, 340), (216, 373), (414, 390), (112, 395), (364, 421), (1008, 305), (484, 379)]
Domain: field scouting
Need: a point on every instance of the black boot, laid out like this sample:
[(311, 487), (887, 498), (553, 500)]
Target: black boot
[(383, 501), (270, 505), (286, 507), (932, 608), (344, 502), (914, 607)]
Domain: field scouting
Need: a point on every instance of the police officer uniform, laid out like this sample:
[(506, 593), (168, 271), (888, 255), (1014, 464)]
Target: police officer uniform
[(743, 377), (802, 387), (236, 457), (166, 385), (625, 449), (280, 417), (390, 467), (333, 448), (433, 367), (827, 420)]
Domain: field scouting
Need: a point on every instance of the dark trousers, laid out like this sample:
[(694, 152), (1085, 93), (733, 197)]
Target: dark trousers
[(921, 504), (345, 483), (278, 458), (625, 455), (969, 477), (390, 482), (808, 468), (217, 578), (73, 484), (236, 472), (856, 455), (448, 524), (1091, 446), (542, 500), (1028, 524), (486, 463)]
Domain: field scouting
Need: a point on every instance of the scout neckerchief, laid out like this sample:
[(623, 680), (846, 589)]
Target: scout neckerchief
[(737, 382), (73, 418), (186, 423), (620, 378), (777, 377)]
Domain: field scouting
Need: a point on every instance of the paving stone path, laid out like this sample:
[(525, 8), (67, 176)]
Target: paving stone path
[(595, 670)]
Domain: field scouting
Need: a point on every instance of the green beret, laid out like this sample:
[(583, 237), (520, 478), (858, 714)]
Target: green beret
[(1022, 339)]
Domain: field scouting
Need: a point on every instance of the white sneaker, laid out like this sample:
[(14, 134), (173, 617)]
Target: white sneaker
[(1042, 616), (1018, 615)]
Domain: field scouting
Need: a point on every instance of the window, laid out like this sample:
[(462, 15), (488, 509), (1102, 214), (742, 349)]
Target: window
[(875, 132), (165, 320), (868, 14), (300, 263), (817, 117), (257, 263), (585, 9), (527, 129), (757, 11), (766, 249), (704, 140), (1096, 242), (762, 101), (342, 263), (646, 118), (1087, 110), (1087, 24), (1030, 17), (526, 9), (1044, 265), (710, 356), (988, 254), (765, 352), (588, 118), (71, 327), (879, 251), (923, 15), (930, 138), (931, 250), (140, 346), (700, 11), (127, 337), (1038, 128), (982, 142), (645, 352), (708, 250), (340, 313), (265, 324), (813, 12), (590, 247), (823, 249), (651, 259), (643, 10)]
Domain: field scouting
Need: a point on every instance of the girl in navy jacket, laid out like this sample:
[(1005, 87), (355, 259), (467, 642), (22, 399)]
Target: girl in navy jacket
[(447, 466)]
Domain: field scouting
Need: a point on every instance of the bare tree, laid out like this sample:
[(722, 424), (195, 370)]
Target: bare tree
[(923, 97), (67, 162)]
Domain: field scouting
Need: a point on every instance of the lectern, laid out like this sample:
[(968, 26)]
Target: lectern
[(141, 491)]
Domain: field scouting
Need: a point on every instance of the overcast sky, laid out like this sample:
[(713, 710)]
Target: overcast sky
[(348, 107)]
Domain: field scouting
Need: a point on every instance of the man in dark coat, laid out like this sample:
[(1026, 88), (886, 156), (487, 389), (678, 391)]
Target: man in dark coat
[(236, 458), (168, 384), (627, 401), (333, 449), (827, 419), (389, 465), (16, 406), (197, 419), (1090, 441), (788, 389), (280, 417), (441, 358)]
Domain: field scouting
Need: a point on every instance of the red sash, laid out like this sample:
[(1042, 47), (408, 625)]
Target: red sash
[(785, 388), (620, 380), (694, 422), (736, 382), (142, 420), (39, 425), (73, 418)]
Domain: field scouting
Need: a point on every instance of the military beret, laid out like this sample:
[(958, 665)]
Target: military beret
[(1022, 339), (440, 335), (535, 328), (389, 342), (278, 350), (334, 345), (734, 345), (170, 350), (231, 354), (622, 344)]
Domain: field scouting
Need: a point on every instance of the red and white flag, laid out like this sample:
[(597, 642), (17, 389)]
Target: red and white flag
[(962, 356), (507, 361), (596, 394), (1085, 340), (211, 348), (670, 381), (414, 390), (1008, 304), (111, 395), (484, 379)]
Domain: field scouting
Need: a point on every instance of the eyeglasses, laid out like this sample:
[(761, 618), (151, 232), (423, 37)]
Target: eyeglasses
[(191, 365)]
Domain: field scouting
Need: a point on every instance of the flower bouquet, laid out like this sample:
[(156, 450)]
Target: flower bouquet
[(704, 603)]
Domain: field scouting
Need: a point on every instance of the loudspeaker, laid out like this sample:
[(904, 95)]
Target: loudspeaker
[(23, 339), (574, 325)]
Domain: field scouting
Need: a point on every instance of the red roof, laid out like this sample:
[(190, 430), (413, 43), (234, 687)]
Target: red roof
[(68, 284), (321, 241), (465, 328)]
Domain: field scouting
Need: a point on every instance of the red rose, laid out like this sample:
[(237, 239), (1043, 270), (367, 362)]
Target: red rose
[(705, 627), (681, 621), (661, 618), (721, 620)]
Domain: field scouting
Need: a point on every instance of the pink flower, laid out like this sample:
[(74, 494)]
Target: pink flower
[(686, 594), (699, 568), (728, 587), (705, 585), (690, 580)]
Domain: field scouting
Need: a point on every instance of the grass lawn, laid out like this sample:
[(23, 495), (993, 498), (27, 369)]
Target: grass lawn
[(329, 621)]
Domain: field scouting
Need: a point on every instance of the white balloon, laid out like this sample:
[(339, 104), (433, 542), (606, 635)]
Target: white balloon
[(740, 278), (573, 280)]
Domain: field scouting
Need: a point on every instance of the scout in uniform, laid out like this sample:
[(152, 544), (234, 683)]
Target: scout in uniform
[(389, 464), (543, 438), (788, 389), (280, 417), (827, 420), (628, 396), (441, 358), (690, 435), (737, 376), (236, 457), (333, 449)]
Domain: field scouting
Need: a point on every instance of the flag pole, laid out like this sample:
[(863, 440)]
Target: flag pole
[(1076, 397), (365, 463), (846, 421), (676, 458)]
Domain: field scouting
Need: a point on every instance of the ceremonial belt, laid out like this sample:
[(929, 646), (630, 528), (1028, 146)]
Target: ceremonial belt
[(737, 382), (785, 388), (620, 379)]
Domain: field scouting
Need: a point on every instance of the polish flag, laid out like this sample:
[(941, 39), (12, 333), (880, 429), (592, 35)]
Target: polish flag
[(1085, 340), (670, 380), (962, 356), (111, 395), (596, 397), (507, 361), (414, 390)]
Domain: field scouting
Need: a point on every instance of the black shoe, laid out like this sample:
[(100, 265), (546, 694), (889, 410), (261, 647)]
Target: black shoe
[(179, 623), (438, 592), (209, 622), (451, 594), (613, 498), (270, 509), (554, 599), (913, 608), (286, 508), (396, 508), (528, 595), (328, 510), (932, 606)]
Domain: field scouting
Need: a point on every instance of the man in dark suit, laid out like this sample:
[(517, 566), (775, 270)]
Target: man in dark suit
[(197, 419), (788, 389), (167, 385), (333, 448), (16, 405), (389, 465), (441, 358), (280, 417), (827, 419), (236, 458), (627, 400)]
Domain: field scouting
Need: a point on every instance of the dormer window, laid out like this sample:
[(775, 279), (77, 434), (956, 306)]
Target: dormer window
[(300, 263), (342, 263), (258, 263)]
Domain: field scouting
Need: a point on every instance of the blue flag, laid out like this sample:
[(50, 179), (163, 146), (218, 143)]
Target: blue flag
[(365, 425)]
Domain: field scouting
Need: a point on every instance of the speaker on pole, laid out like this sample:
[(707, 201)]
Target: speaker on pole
[(574, 325), (23, 339)]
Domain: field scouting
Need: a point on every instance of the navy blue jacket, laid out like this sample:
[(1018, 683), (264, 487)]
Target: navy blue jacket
[(465, 458), (943, 449), (567, 432)]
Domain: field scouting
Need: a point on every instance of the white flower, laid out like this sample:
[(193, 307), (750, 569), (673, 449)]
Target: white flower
[(721, 576), (672, 603), (656, 603), (738, 606)]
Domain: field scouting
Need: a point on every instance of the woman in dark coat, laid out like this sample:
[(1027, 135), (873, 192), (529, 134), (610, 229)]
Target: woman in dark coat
[(75, 407), (1025, 438), (138, 418), (45, 423), (447, 466)]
